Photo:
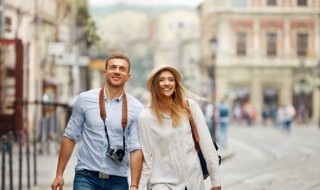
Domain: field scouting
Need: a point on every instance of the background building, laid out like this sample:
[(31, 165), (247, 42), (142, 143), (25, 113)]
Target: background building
[(53, 53), (263, 52), (149, 36)]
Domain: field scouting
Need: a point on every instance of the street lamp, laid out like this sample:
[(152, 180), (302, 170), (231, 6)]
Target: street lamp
[(212, 77), (318, 86), (212, 68), (302, 87)]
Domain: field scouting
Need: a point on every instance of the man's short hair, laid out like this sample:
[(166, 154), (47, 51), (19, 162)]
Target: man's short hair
[(118, 56)]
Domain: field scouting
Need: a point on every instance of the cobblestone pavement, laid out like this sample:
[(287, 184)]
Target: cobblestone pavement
[(267, 158), (258, 158)]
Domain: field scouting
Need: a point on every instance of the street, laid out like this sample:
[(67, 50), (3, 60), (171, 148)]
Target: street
[(261, 158), (267, 158)]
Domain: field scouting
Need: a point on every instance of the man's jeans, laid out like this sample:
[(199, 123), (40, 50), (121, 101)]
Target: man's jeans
[(85, 180)]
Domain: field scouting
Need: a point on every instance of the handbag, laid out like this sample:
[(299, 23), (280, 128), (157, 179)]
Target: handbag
[(196, 139)]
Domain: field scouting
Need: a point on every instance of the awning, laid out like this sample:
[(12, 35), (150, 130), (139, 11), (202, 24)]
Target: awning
[(97, 64)]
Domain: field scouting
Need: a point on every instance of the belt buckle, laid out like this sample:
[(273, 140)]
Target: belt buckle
[(103, 176)]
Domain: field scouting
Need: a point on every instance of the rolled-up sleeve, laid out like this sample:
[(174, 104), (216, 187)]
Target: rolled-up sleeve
[(76, 123), (134, 139), (206, 144)]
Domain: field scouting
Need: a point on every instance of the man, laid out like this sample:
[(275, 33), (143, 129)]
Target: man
[(98, 119)]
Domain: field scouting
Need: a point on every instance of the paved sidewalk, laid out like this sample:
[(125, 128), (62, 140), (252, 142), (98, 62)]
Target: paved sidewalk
[(47, 170), (46, 167)]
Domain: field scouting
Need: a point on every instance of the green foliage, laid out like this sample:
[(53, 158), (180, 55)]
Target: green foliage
[(85, 22), (91, 33)]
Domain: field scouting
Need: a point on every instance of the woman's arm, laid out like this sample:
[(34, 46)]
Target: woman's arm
[(206, 144)]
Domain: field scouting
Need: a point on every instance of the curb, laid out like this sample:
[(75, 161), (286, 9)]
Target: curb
[(226, 154)]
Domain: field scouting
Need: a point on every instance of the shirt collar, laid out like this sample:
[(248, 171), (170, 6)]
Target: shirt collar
[(118, 99)]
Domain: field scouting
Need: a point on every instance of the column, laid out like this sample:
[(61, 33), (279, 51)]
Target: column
[(256, 41), (256, 92)]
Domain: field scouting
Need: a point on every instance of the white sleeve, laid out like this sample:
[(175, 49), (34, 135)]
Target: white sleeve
[(147, 156), (206, 144)]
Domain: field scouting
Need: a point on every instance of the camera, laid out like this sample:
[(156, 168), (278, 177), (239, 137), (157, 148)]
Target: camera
[(116, 155)]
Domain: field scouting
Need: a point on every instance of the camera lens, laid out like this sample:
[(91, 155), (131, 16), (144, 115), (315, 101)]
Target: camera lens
[(119, 154)]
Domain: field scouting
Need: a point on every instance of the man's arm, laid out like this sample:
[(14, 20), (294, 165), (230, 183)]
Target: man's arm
[(136, 160), (67, 146)]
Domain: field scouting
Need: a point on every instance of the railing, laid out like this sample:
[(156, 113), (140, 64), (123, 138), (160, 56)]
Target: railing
[(21, 147)]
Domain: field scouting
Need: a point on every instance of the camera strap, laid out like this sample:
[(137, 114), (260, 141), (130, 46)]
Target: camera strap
[(103, 114)]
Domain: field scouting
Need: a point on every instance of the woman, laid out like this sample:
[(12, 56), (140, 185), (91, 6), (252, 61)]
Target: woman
[(170, 157)]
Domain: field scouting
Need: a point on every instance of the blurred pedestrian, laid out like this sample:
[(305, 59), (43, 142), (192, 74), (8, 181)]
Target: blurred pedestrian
[(210, 119), (249, 113), (289, 113), (237, 113), (106, 120), (223, 123), (170, 158), (265, 115), (281, 116)]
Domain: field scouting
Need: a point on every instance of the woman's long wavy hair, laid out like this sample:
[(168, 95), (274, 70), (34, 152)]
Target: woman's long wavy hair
[(179, 105)]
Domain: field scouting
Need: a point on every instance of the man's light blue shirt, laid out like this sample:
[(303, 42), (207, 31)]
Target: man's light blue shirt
[(86, 125)]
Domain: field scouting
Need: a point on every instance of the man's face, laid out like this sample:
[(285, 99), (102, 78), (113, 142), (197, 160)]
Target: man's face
[(117, 72)]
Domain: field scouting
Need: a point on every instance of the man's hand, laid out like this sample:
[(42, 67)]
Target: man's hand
[(215, 188), (58, 182), (133, 187)]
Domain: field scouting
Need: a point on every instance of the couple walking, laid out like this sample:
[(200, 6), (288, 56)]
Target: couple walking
[(117, 133)]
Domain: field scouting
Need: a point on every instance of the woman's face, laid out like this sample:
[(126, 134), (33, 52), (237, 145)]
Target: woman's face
[(167, 83)]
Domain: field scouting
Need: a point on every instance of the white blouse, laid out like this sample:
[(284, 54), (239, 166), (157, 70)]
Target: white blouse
[(170, 157)]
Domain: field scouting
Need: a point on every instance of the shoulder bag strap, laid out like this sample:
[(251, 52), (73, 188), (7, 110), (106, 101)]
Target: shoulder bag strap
[(195, 134)]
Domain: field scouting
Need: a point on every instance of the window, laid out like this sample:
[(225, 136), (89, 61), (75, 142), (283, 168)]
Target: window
[(271, 44), (302, 3), (271, 2), (241, 43), (302, 44), (239, 3), (8, 24)]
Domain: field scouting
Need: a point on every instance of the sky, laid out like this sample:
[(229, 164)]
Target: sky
[(146, 2)]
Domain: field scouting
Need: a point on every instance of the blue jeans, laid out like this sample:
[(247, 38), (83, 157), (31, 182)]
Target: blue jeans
[(84, 180), (223, 134), (287, 126)]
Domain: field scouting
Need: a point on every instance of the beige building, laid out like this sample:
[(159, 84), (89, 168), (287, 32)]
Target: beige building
[(263, 51), (36, 23)]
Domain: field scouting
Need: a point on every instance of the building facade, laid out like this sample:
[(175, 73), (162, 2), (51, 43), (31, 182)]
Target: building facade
[(36, 24), (263, 52)]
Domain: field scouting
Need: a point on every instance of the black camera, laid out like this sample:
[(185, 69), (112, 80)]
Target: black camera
[(116, 155)]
